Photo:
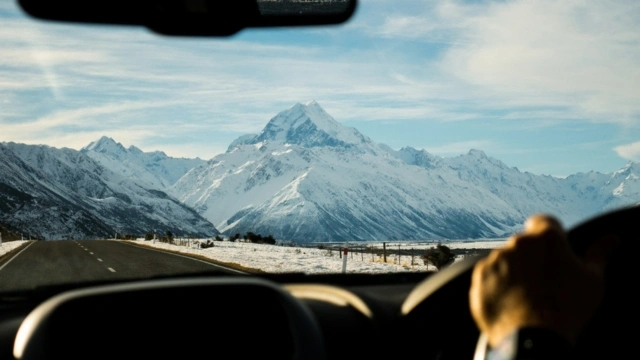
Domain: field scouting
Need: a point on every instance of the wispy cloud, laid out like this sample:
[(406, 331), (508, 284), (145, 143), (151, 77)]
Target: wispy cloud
[(528, 64), (629, 151), (461, 147), (581, 56)]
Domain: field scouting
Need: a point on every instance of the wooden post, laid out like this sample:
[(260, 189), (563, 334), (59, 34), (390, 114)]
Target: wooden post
[(412, 258), (399, 258), (384, 252), (344, 260)]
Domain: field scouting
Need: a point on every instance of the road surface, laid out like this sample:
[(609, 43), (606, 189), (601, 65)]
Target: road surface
[(43, 263)]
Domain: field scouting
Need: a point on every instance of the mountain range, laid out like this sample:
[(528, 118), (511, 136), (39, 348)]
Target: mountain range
[(304, 177), (54, 193)]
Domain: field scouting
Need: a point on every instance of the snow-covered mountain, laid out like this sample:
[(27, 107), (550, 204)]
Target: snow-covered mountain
[(63, 193), (305, 177), (153, 170)]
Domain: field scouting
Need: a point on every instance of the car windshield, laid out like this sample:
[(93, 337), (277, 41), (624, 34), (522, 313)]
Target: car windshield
[(415, 134)]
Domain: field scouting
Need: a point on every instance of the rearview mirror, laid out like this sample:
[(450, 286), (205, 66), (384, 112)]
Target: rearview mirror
[(194, 17)]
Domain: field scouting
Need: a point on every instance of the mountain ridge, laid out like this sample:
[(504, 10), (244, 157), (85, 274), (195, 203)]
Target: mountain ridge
[(306, 177), (63, 193), (450, 190)]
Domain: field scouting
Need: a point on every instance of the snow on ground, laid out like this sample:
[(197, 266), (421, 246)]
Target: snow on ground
[(11, 245), (421, 245), (286, 259), (473, 244)]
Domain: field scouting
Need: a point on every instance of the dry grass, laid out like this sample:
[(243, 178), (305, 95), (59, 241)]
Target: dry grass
[(389, 260)]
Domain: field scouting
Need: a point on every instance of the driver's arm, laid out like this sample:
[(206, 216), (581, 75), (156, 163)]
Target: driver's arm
[(533, 297)]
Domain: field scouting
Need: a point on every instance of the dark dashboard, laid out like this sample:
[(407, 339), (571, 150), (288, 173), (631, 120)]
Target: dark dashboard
[(290, 316)]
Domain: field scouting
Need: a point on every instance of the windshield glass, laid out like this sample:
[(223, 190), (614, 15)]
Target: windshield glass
[(416, 123)]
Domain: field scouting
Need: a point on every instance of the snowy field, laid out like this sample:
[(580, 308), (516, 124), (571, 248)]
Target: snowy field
[(420, 245), (11, 245), (286, 259)]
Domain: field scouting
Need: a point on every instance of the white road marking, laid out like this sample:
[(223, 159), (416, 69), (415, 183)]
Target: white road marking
[(111, 269), (99, 259), (91, 253), (15, 256)]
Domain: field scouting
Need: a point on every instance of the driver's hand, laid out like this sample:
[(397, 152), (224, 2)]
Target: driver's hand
[(536, 280)]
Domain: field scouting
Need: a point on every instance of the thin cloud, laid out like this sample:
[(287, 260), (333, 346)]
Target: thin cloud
[(579, 56), (461, 147), (629, 151), (492, 61)]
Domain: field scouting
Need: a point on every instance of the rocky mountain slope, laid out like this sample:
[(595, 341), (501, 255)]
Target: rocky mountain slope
[(305, 177), (63, 193)]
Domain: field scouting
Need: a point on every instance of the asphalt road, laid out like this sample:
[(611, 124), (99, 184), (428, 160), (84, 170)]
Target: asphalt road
[(44, 263)]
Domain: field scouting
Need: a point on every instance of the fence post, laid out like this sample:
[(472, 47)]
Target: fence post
[(344, 261), (384, 252), (412, 258)]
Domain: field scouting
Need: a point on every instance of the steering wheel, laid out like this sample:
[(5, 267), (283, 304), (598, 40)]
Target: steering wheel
[(163, 319), (441, 300)]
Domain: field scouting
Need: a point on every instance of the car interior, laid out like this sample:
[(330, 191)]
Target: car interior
[(296, 316), (283, 316)]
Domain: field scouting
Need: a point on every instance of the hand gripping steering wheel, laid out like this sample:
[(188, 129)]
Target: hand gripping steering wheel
[(608, 335)]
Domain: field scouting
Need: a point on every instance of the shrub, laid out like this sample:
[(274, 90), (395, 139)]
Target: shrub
[(206, 245), (259, 239), (438, 256), (269, 240)]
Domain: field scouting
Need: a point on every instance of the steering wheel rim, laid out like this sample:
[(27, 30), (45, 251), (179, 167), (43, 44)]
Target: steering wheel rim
[(34, 338), (618, 223)]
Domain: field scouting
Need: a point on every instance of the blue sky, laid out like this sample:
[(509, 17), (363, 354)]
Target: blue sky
[(551, 87)]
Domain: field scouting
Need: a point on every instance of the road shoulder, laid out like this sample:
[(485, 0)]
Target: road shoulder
[(234, 266), (7, 256)]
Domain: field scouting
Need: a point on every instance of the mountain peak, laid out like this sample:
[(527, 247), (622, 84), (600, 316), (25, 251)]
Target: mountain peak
[(308, 125), (300, 113), (417, 157), (135, 150), (477, 153), (104, 144)]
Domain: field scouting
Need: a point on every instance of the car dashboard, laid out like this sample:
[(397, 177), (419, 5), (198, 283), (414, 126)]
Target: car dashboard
[(291, 316)]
